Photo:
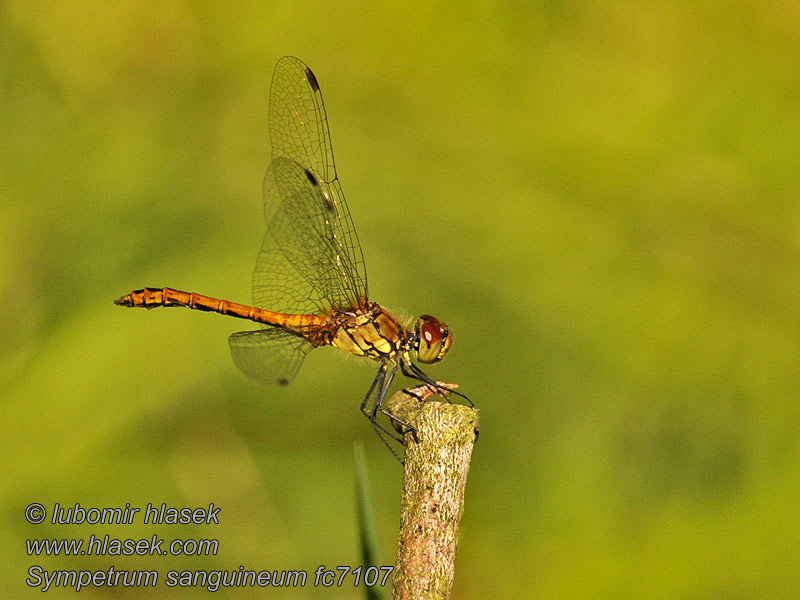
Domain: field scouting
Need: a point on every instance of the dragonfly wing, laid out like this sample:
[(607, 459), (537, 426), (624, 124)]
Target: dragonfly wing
[(271, 356), (302, 266), (298, 124), (302, 191)]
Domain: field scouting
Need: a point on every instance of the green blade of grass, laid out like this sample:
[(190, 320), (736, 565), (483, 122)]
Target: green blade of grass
[(366, 522)]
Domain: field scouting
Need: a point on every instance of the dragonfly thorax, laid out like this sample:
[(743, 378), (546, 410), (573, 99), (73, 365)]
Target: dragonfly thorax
[(372, 332)]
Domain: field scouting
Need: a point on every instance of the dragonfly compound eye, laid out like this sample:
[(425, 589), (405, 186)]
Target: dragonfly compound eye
[(432, 339)]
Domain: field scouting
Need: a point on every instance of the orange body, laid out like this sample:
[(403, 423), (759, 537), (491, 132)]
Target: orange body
[(155, 297), (371, 331)]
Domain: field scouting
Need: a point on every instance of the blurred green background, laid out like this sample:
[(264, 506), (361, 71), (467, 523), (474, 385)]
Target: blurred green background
[(600, 198)]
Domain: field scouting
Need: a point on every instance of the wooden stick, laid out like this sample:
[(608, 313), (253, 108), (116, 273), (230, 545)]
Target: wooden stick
[(436, 465)]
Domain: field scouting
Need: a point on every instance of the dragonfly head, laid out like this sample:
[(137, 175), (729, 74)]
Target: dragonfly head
[(432, 339)]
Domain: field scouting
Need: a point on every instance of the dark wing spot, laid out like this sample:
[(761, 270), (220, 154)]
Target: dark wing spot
[(311, 178), (312, 80), (283, 381)]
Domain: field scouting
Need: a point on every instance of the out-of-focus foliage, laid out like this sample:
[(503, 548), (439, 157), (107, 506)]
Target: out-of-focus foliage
[(600, 198)]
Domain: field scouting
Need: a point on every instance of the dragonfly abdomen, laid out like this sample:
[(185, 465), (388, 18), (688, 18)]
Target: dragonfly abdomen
[(154, 297)]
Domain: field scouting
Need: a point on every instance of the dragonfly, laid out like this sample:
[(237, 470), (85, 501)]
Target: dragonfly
[(310, 279)]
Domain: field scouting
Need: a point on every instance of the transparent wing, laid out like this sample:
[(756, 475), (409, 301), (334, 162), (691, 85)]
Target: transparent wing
[(301, 267), (269, 356), (303, 194)]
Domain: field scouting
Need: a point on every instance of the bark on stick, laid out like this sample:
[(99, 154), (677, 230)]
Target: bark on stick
[(436, 466)]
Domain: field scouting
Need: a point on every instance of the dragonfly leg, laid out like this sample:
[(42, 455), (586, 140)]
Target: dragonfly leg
[(414, 372), (378, 381), (380, 385), (400, 425)]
